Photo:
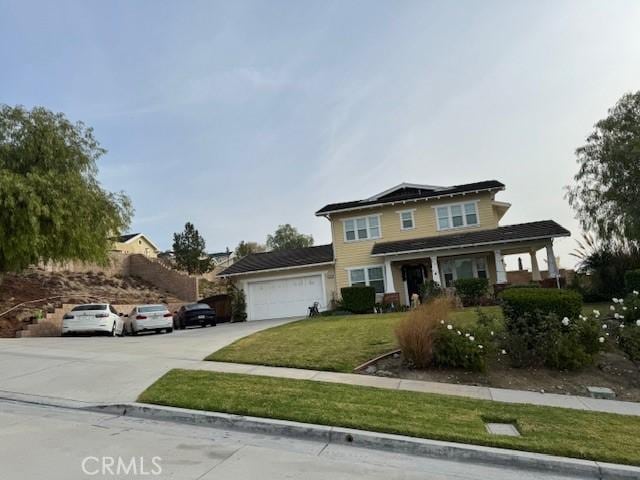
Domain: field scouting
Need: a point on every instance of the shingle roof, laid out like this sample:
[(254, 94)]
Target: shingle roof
[(126, 238), (508, 233), (297, 257), (412, 194)]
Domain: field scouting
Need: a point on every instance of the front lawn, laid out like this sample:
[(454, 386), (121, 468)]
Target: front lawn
[(556, 431), (322, 343)]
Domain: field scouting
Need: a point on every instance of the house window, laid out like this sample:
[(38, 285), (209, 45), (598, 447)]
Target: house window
[(371, 276), (469, 267), (362, 228), (407, 221), (457, 216)]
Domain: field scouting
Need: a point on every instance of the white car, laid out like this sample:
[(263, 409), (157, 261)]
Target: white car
[(93, 317), (150, 318)]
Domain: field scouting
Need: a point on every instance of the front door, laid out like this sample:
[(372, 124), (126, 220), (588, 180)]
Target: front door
[(414, 275)]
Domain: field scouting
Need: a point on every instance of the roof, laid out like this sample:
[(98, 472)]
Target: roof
[(406, 191), (506, 234), (132, 236), (281, 259)]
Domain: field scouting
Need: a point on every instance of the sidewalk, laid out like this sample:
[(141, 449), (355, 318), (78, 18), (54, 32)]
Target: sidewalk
[(485, 393)]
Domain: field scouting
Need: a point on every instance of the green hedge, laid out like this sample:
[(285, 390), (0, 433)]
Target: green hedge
[(517, 302), (471, 290), (632, 280), (358, 299)]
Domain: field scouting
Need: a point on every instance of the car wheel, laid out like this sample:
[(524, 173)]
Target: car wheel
[(169, 330), (113, 330)]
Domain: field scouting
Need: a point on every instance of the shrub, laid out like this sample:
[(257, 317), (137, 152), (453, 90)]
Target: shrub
[(238, 304), (517, 303), (453, 349), (471, 290), (358, 299), (415, 333), (632, 280), (430, 289), (630, 342)]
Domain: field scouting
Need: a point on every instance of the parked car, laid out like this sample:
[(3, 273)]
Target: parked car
[(93, 317), (195, 314), (149, 318)]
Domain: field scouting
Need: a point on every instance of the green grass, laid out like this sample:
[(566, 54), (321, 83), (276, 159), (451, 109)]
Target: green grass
[(322, 343), (556, 431)]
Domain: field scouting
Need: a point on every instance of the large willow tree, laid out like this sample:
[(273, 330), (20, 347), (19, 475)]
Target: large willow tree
[(52, 207)]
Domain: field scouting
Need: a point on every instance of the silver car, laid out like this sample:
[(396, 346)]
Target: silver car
[(149, 318)]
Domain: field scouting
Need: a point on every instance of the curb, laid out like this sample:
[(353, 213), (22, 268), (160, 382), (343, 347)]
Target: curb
[(379, 441)]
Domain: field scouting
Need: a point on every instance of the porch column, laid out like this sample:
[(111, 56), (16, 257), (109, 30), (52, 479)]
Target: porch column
[(389, 277), (535, 270), (501, 274), (435, 271), (551, 261)]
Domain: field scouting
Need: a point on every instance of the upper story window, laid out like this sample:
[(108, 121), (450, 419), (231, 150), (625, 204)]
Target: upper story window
[(457, 216), (407, 220), (363, 228)]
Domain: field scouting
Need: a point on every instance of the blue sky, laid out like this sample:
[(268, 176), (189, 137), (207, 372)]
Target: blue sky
[(239, 116)]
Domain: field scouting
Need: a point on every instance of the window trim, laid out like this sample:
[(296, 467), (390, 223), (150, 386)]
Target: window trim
[(450, 216), (366, 274), (355, 219), (413, 219), (474, 267)]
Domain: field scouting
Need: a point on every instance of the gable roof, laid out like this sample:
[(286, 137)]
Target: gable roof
[(281, 259), (410, 192), (507, 234), (129, 237)]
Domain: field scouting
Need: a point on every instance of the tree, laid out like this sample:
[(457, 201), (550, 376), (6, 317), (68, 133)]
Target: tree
[(287, 237), (189, 251), (52, 207), (247, 248), (606, 195)]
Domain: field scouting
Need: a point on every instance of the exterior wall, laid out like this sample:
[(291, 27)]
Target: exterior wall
[(137, 246), (523, 277), (329, 279), (358, 253), (179, 284), (118, 265)]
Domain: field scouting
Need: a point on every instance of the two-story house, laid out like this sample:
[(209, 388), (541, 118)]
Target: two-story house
[(395, 241)]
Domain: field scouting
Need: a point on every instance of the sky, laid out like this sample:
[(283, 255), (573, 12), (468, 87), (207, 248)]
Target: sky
[(239, 116)]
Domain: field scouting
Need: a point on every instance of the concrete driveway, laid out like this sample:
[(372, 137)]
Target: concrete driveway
[(106, 369)]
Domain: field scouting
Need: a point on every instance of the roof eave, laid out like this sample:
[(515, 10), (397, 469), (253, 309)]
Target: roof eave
[(320, 213), (292, 267), (470, 245)]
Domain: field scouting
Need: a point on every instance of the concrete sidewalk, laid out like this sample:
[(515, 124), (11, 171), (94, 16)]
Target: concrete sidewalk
[(485, 393)]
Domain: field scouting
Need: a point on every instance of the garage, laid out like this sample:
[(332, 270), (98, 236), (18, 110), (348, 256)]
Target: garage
[(285, 297)]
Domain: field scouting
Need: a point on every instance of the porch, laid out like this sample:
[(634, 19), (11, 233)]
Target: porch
[(447, 258)]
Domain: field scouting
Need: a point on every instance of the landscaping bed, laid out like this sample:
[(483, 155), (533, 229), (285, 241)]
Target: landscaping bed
[(610, 369), (556, 431)]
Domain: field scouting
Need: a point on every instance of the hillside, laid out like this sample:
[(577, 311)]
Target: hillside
[(69, 288)]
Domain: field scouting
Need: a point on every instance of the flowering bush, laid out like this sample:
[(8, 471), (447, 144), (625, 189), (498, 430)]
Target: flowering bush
[(624, 324), (455, 349)]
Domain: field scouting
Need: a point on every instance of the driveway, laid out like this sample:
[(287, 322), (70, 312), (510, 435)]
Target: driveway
[(105, 369)]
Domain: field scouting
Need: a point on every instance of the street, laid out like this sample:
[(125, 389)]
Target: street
[(42, 442)]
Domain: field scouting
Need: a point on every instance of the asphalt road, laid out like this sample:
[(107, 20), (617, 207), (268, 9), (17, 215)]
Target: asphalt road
[(108, 369), (51, 443)]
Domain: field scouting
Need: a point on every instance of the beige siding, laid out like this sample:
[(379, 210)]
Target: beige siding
[(355, 254), (139, 245)]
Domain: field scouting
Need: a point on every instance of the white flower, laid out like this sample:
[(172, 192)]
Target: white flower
[(442, 322), (480, 347), (601, 339), (621, 301), (503, 352), (635, 292), (607, 334), (565, 321), (604, 325), (459, 332), (449, 327), (466, 335), (624, 308), (616, 316), (472, 338), (622, 325), (638, 323), (614, 300), (596, 313), (491, 333), (612, 308)]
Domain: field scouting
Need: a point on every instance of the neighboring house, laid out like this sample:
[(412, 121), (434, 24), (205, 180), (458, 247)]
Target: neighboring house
[(222, 259), (135, 243), (395, 241)]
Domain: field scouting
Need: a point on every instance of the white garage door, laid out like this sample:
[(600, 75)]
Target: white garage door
[(289, 297)]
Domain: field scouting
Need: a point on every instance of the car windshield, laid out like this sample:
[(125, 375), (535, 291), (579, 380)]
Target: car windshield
[(196, 306), (152, 308), (83, 308)]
